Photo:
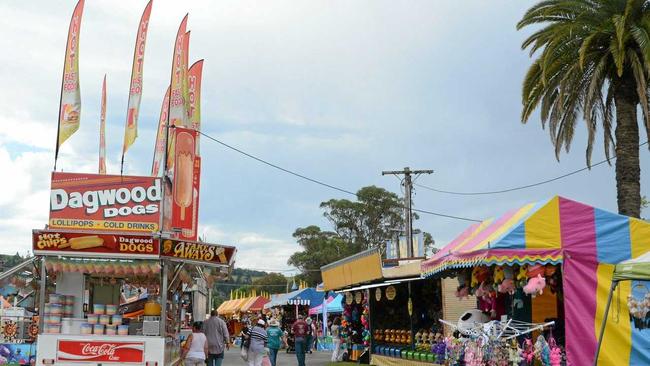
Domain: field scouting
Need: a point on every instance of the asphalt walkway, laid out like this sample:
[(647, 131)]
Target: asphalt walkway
[(284, 359)]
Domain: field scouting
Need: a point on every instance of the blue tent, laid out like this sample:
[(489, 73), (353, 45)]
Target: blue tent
[(333, 305), (308, 296)]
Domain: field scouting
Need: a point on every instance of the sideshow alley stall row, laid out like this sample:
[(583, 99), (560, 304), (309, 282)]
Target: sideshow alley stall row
[(530, 286)]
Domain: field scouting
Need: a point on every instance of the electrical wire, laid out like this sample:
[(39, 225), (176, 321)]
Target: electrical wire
[(315, 181), (520, 187)]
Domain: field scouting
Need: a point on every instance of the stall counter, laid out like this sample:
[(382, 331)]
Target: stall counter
[(87, 350)]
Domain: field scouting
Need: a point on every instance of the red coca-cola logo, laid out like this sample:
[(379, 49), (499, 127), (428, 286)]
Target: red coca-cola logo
[(106, 349), (114, 352)]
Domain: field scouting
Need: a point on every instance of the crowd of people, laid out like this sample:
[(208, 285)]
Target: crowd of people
[(260, 338)]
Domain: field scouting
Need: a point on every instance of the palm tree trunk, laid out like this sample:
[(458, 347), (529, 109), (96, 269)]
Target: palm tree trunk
[(628, 169)]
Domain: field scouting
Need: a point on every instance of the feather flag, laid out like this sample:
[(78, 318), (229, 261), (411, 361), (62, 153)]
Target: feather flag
[(159, 148), (135, 88), (70, 104), (194, 93), (177, 110), (102, 131)]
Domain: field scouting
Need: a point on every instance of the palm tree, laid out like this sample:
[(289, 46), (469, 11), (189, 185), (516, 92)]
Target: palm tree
[(593, 59)]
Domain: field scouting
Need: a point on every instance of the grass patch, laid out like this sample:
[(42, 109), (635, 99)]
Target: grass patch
[(341, 363)]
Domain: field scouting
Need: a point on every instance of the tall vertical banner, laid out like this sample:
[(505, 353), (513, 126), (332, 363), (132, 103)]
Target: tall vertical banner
[(70, 106), (177, 111), (135, 88), (183, 186), (194, 92), (102, 131), (159, 148)]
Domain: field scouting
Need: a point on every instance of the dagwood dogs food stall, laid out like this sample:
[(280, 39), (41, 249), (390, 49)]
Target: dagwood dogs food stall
[(86, 275), (109, 237)]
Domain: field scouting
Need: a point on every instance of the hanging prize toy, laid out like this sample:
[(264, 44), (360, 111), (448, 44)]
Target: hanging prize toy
[(556, 352), (528, 353)]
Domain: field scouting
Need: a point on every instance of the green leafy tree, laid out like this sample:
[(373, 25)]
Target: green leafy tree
[(272, 283), (593, 59), (319, 248), (367, 222)]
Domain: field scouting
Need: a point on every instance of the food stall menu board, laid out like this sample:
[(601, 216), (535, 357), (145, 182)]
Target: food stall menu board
[(198, 252), (71, 243), (100, 352), (95, 202)]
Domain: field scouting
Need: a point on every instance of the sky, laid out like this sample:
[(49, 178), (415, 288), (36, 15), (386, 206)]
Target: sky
[(336, 90)]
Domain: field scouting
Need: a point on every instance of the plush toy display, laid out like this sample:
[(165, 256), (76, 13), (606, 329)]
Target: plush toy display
[(507, 286), (535, 286), (499, 275)]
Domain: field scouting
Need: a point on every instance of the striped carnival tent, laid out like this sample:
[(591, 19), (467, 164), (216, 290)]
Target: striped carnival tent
[(588, 242), (308, 296), (255, 305)]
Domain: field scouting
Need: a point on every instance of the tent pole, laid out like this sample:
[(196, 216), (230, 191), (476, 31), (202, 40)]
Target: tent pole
[(602, 327)]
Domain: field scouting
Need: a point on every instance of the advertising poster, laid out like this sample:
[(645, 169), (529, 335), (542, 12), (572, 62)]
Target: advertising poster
[(183, 187), (102, 131), (177, 101), (192, 233), (105, 202), (159, 150), (99, 352), (70, 108), (12, 354), (198, 252), (71, 243), (135, 91)]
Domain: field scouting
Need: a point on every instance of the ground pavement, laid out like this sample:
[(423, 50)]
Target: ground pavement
[(315, 359)]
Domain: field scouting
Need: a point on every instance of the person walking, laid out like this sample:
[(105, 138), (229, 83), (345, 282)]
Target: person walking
[(311, 332), (196, 347), (258, 340), (299, 330), (216, 332), (276, 340), (335, 331)]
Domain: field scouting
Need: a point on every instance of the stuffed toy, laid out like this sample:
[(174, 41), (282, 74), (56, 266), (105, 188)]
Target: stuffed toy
[(463, 285), (475, 280), (499, 275), (462, 292), (542, 350), (535, 270), (522, 275), (514, 354), (549, 270), (528, 353), (507, 286), (535, 286), (507, 273), (555, 357), (482, 291)]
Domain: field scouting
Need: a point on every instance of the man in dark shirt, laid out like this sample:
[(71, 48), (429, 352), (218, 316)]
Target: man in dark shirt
[(300, 329)]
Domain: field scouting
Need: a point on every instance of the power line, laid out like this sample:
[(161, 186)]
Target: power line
[(520, 187), (321, 183)]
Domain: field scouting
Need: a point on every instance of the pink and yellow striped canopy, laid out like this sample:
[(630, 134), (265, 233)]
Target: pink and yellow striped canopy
[(544, 232)]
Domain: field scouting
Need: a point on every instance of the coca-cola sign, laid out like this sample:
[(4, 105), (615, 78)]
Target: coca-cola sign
[(100, 352)]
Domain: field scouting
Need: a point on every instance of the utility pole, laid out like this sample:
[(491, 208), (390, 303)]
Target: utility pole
[(408, 198)]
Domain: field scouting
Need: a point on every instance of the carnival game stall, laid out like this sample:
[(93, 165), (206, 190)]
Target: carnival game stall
[(541, 273)]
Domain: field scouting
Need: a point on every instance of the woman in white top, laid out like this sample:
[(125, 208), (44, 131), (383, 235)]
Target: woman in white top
[(336, 340), (196, 347)]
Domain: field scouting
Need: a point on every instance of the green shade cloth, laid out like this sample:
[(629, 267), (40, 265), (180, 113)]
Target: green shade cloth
[(633, 269)]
